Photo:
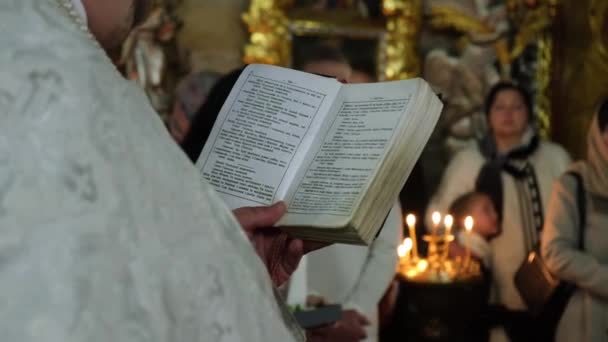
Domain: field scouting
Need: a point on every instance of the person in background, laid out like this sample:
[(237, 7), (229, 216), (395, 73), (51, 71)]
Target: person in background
[(516, 169), (323, 59), (413, 199), (353, 276), (362, 73), (585, 318), (204, 119), (480, 207), (362, 56), (190, 94)]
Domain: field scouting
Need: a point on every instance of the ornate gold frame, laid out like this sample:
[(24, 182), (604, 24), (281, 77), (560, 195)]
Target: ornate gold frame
[(534, 19), (271, 26), (271, 30), (537, 24)]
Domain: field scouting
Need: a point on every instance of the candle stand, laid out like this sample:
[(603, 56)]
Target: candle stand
[(442, 298)]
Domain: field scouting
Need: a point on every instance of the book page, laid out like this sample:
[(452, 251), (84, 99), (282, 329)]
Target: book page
[(352, 147), (263, 132)]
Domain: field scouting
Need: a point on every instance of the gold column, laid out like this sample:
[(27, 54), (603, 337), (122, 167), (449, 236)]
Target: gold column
[(269, 38), (543, 83), (544, 71), (404, 21), (580, 70), (534, 20)]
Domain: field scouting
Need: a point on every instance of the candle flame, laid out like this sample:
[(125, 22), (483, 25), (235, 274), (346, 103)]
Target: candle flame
[(411, 220), (405, 247), (468, 223), (422, 265), (448, 221), (436, 218), (401, 251), (408, 244)]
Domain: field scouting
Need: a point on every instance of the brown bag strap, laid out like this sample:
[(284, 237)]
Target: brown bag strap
[(581, 203)]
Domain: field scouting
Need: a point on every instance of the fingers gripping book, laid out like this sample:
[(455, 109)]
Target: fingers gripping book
[(337, 154)]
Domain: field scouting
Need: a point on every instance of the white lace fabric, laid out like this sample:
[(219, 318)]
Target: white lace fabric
[(106, 231), (79, 8)]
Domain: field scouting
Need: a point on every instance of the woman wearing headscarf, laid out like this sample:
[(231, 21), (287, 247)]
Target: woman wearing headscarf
[(585, 317), (516, 169)]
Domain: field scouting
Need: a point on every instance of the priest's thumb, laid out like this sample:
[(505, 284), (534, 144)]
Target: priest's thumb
[(252, 218)]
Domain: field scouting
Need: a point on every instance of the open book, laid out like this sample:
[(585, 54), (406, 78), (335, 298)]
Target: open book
[(337, 154)]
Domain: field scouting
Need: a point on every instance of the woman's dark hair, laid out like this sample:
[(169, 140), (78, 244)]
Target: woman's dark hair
[(602, 115), (502, 86), (205, 118), (317, 52), (461, 207)]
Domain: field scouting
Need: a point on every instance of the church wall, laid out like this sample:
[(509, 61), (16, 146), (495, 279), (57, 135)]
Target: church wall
[(213, 34)]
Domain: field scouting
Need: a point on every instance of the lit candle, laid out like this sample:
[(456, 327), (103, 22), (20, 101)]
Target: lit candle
[(436, 218), (448, 221), (401, 252), (411, 224), (422, 265), (468, 225), (404, 251), (407, 243)]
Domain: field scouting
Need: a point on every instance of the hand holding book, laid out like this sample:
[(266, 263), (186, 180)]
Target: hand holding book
[(280, 253), (337, 154)]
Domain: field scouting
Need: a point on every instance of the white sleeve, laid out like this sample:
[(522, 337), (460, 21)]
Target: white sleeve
[(560, 240), (561, 159), (379, 269), (479, 246)]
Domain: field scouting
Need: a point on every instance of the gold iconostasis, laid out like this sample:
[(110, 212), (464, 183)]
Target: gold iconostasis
[(556, 48)]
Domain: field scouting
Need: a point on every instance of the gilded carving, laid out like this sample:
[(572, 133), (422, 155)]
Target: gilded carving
[(149, 55), (446, 17), (269, 38), (534, 21), (404, 20), (580, 70), (271, 31)]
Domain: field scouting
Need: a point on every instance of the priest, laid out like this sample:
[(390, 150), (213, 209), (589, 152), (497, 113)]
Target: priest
[(107, 232)]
